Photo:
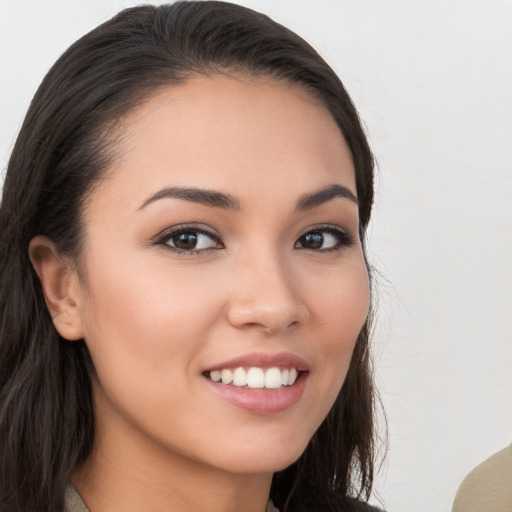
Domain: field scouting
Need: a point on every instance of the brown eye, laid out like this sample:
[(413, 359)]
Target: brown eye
[(185, 241), (189, 240), (326, 239), (312, 241)]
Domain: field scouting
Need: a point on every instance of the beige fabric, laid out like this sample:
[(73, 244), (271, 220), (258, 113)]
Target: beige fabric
[(74, 503), (488, 488)]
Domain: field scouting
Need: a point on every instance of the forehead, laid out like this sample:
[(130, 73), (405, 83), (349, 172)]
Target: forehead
[(219, 132)]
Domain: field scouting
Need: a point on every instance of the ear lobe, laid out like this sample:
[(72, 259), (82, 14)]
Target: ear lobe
[(57, 276)]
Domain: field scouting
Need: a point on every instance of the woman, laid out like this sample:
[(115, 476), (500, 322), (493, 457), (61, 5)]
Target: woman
[(185, 297)]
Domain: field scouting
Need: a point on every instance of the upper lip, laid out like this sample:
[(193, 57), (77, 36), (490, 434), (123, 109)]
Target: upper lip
[(262, 360)]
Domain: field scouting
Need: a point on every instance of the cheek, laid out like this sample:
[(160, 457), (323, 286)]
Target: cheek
[(342, 303), (144, 334), (146, 319), (341, 311)]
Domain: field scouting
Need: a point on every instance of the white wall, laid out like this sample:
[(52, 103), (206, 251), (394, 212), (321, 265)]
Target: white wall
[(432, 80)]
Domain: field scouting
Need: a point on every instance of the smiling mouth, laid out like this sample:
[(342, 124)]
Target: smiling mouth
[(255, 377)]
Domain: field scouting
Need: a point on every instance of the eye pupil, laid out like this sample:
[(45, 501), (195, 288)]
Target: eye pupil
[(312, 241), (185, 240)]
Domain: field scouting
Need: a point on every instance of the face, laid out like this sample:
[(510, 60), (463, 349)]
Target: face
[(223, 245)]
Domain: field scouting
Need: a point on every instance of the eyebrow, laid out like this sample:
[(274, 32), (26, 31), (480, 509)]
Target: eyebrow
[(308, 201), (216, 199), (195, 195)]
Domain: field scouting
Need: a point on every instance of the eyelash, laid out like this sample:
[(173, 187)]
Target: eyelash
[(168, 235), (343, 239)]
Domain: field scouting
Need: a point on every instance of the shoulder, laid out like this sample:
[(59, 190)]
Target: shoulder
[(488, 486)]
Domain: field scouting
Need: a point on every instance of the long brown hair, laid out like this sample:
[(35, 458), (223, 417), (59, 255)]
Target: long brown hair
[(63, 149)]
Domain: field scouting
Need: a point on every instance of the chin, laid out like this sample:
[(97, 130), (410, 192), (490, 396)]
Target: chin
[(263, 459)]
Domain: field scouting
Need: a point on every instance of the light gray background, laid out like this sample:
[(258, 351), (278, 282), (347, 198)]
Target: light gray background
[(432, 80)]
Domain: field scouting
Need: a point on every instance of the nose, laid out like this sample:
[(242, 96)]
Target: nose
[(266, 295)]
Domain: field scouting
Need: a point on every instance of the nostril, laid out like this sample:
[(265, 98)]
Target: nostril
[(272, 309)]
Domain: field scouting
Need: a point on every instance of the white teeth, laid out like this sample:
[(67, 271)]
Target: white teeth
[(273, 378), (239, 377), (227, 376), (256, 378), (215, 375)]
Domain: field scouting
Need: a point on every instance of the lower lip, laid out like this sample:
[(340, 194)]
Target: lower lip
[(261, 401)]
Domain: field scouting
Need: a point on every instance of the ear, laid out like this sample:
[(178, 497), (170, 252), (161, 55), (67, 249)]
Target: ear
[(60, 286)]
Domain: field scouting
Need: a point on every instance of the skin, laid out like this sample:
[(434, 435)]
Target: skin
[(154, 319)]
